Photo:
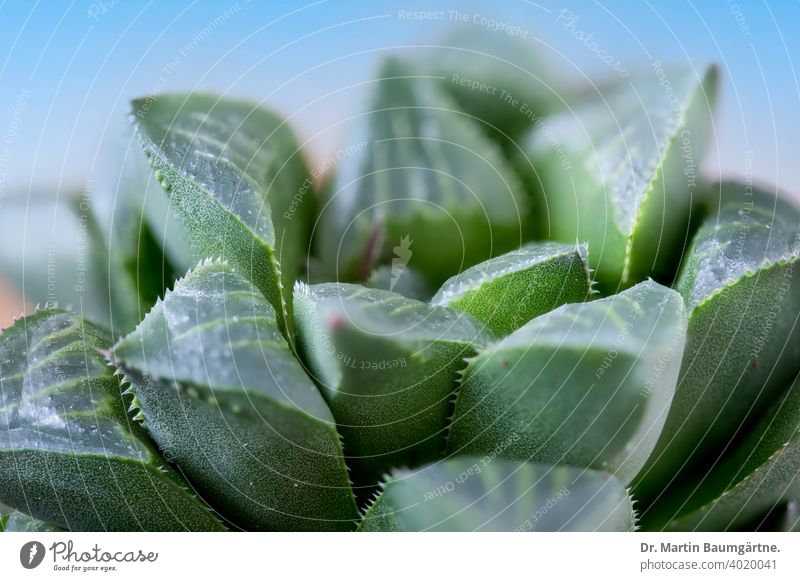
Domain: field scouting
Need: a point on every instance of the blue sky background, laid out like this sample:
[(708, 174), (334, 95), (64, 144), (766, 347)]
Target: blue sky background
[(68, 69)]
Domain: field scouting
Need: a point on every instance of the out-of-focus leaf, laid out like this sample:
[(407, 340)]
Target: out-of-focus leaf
[(422, 186), (68, 454), (223, 396), (587, 384), (620, 171), (387, 365), (741, 283), (491, 494), (403, 280), (498, 77), (233, 174), (506, 292)]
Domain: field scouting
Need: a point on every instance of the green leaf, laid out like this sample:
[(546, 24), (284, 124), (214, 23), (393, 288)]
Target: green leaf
[(14, 521), (506, 292), (419, 171), (40, 246), (68, 454), (586, 384), (500, 79), (759, 474), (489, 494), (741, 283), (233, 174), (387, 366), (222, 394), (402, 280), (620, 171)]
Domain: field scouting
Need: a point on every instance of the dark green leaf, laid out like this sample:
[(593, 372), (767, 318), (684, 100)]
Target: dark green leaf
[(586, 384), (420, 186), (490, 494), (14, 521), (620, 171), (506, 292), (68, 454), (387, 365), (223, 396)]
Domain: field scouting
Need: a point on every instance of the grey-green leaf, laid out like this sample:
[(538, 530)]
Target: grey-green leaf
[(421, 185), (223, 396), (620, 171), (387, 365), (403, 280), (587, 384), (759, 474), (500, 79), (491, 494), (68, 454), (506, 292), (232, 171), (741, 282)]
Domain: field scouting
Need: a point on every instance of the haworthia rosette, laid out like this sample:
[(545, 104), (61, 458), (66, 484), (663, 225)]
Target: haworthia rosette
[(491, 494), (506, 292), (387, 365), (620, 171), (224, 397), (422, 187), (68, 454), (587, 384), (234, 176), (741, 282)]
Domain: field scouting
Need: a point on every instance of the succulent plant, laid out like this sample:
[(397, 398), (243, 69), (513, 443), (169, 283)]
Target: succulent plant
[(614, 343)]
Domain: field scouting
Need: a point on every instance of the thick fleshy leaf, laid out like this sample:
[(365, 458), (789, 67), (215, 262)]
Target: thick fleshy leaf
[(506, 292), (68, 454), (422, 187), (499, 78), (387, 365), (620, 171), (756, 477), (491, 494), (586, 384), (222, 394), (741, 282), (233, 174)]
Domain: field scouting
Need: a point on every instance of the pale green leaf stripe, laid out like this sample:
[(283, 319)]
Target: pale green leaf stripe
[(68, 454), (223, 395), (490, 494), (506, 292), (232, 172), (387, 366), (587, 384), (755, 478), (741, 281), (620, 171), (419, 171)]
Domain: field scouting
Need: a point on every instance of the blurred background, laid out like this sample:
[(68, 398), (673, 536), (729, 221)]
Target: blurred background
[(69, 68)]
